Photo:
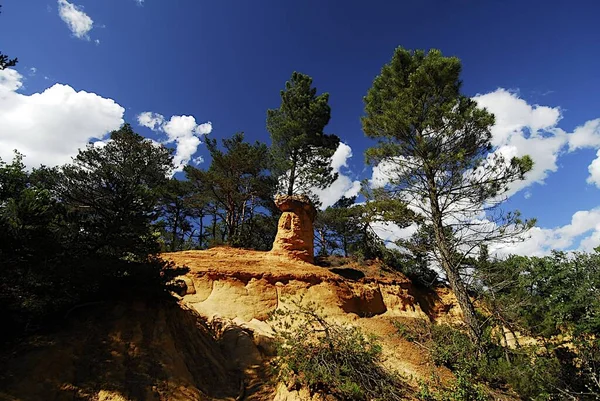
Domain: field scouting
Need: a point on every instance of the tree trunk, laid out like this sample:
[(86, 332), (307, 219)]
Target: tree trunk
[(462, 295), (292, 180), (174, 231), (214, 226), (201, 235), (456, 283)]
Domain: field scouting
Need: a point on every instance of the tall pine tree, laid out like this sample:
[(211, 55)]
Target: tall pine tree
[(302, 151), (434, 143)]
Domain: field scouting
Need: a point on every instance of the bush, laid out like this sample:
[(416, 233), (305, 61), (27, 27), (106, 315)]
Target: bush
[(534, 372), (452, 348), (462, 389), (332, 359)]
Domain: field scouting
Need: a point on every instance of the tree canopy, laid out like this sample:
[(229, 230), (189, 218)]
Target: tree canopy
[(115, 188), (239, 183), (80, 232), (301, 149)]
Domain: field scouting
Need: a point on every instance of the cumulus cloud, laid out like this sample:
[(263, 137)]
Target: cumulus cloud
[(585, 136), (344, 185), (154, 121), (390, 232), (584, 227), (49, 127), (76, 19), (523, 129), (582, 234), (513, 114), (588, 136), (183, 131), (594, 169)]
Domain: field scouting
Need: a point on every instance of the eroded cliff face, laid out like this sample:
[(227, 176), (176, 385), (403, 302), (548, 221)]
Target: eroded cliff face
[(243, 288)]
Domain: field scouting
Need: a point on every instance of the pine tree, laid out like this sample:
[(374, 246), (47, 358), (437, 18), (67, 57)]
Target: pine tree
[(302, 151), (115, 189), (434, 143)]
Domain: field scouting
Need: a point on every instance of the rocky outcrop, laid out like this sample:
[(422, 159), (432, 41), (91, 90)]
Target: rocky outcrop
[(295, 229), (240, 292)]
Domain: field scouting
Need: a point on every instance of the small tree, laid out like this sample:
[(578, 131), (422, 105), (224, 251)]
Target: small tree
[(435, 145), (237, 180), (339, 227), (301, 150), (177, 207)]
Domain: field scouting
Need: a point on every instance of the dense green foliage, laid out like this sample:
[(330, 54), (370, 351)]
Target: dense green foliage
[(556, 300), (81, 232), (340, 228), (301, 149), (331, 358), (240, 188), (548, 309)]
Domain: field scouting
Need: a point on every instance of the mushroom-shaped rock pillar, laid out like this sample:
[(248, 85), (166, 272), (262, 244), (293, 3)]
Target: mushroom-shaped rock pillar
[(295, 229)]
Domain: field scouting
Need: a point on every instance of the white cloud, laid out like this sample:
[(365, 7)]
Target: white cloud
[(383, 172), (540, 241), (49, 127), (32, 71), (585, 136), (344, 185), (183, 131), (520, 129), (140, 2), (513, 114), (594, 169), (10, 81), (154, 121), (523, 129), (588, 136), (76, 19), (390, 232), (590, 242)]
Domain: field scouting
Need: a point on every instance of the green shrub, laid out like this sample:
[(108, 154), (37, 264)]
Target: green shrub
[(463, 388), (452, 348), (331, 358)]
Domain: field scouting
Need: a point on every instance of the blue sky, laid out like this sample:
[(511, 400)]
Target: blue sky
[(225, 62)]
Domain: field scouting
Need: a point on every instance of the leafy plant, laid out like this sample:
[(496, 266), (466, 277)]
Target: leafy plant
[(331, 358)]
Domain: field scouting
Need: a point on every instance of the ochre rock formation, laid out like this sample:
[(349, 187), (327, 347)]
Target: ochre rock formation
[(295, 229)]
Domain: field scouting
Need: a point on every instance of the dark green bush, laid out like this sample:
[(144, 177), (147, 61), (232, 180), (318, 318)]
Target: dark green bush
[(533, 372)]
